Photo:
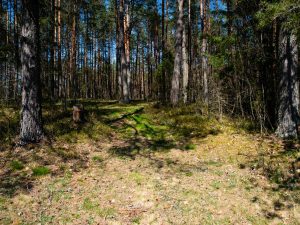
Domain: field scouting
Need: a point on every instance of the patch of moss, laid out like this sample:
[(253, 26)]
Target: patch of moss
[(216, 184), (89, 205), (137, 177), (136, 220), (2, 203), (66, 154)]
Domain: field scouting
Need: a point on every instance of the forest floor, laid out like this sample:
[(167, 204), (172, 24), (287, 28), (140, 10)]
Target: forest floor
[(141, 164)]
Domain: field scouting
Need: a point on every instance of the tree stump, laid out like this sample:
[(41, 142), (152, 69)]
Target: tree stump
[(78, 113)]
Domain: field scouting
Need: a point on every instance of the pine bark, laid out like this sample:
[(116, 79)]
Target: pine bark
[(127, 48), (204, 47), (31, 110), (72, 66), (175, 89), (288, 114), (185, 67), (124, 63), (163, 72), (59, 63), (16, 46)]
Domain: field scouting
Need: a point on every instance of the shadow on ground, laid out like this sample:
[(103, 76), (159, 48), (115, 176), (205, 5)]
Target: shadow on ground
[(139, 129)]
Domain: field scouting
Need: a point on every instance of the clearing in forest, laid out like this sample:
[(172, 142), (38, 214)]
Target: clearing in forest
[(140, 164)]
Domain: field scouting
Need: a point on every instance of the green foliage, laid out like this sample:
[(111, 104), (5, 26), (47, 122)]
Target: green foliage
[(94, 207), (137, 177), (98, 159), (40, 171), (136, 220), (16, 165), (190, 147), (166, 65), (287, 11), (217, 61), (2, 203)]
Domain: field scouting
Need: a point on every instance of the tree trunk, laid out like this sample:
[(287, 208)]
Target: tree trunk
[(124, 64), (73, 79), (163, 72), (127, 48), (178, 56), (204, 60), (185, 67), (16, 45), (31, 111), (52, 51), (59, 65), (288, 114)]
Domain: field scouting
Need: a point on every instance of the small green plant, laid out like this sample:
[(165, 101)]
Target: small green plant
[(186, 172), (16, 165), (190, 147), (98, 159), (136, 220), (40, 171), (89, 205), (137, 177), (2, 203), (216, 184)]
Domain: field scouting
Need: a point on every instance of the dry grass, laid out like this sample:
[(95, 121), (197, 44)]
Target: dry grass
[(160, 166)]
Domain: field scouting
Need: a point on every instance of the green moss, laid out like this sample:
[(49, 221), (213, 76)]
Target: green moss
[(136, 220), (216, 184), (94, 207), (66, 154), (137, 177), (2, 203)]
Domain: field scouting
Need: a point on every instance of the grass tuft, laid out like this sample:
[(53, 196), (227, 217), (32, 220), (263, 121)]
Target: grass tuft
[(40, 171), (16, 165), (190, 147), (98, 159)]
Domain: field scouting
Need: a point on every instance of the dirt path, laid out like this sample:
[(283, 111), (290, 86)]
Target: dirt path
[(124, 181)]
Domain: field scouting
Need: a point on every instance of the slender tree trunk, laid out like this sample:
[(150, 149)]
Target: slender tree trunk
[(52, 51), (31, 110), (127, 47), (288, 114), (16, 45), (59, 65), (118, 91), (204, 47), (185, 67), (2, 43), (72, 65), (190, 51), (163, 72), (175, 89), (124, 64)]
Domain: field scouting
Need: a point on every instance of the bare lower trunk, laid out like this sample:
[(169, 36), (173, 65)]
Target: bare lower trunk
[(288, 114), (31, 111)]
